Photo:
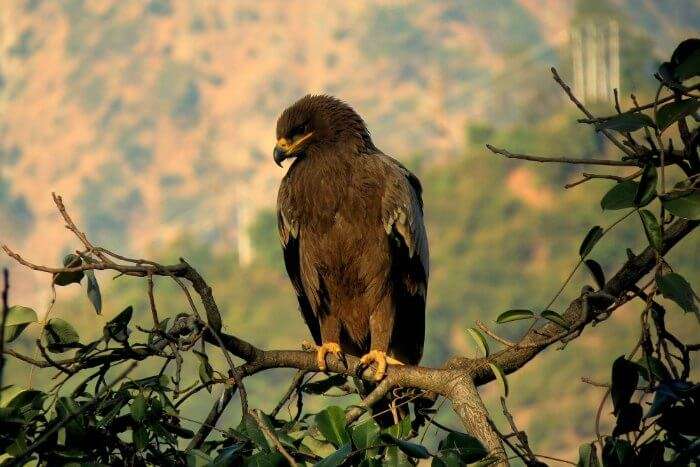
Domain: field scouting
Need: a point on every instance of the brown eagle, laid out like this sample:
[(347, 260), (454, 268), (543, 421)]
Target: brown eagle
[(350, 220)]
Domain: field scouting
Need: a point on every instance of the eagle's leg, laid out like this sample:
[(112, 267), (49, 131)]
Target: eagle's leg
[(330, 336), (381, 359), (324, 349), (381, 324)]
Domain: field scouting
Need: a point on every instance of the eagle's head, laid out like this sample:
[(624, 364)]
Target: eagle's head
[(317, 124)]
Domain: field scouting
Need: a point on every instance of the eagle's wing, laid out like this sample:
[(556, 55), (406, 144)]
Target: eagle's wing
[(402, 213), (402, 216), (288, 227)]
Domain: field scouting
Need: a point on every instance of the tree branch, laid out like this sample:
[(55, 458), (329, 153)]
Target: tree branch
[(564, 160)]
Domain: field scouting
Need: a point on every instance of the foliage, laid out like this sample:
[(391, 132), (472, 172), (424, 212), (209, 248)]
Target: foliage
[(108, 417)]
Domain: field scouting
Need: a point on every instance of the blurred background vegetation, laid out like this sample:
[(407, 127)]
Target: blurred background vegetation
[(155, 120)]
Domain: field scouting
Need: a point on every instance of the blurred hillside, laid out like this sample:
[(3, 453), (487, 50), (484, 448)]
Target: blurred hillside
[(155, 118)]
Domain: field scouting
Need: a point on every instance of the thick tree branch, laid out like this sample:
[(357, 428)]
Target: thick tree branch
[(468, 405), (538, 339)]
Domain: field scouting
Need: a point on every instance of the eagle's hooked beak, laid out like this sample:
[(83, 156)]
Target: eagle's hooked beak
[(284, 149), (279, 154)]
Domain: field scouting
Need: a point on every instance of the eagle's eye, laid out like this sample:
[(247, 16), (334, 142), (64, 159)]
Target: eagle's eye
[(299, 130)]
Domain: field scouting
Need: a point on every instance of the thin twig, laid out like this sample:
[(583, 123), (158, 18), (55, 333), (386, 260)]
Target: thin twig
[(486, 330), (212, 418), (607, 385), (275, 440), (564, 461), (70, 225), (519, 434), (638, 107), (297, 380), (42, 323), (152, 301), (583, 109), (589, 176), (564, 160)]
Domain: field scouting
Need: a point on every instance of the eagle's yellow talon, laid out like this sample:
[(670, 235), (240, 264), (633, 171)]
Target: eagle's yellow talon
[(381, 359), (326, 348)]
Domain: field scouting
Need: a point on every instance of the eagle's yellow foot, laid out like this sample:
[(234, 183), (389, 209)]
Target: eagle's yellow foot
[(381, 359), (326, 348)]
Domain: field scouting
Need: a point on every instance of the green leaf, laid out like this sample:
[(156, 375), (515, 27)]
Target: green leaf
[(617, 453), (228, 455), (206, 372), (26, 399), (674, 287), (266, 459), (670, 113), (590, 240), (155, 382), (624, 382), (60, 336), (141, 436), (313, 446), (514, 315), (365, 434), (646, 189), (620, 196), (337, 458), (596, 271), (500, 378), (331, 423), (479, 341), (651, 229), (468, 448), (652, 364), (411, 449), (93, 291), (18, 446), (117, 327), (628, 419), (626, 122), (587, 456), (66, 278), (400, 430), (395, 457), (255, 434), (686, 206), (18, 318), (690, 67), (138, 408), (447, 459), (556, 318), (75, 428)]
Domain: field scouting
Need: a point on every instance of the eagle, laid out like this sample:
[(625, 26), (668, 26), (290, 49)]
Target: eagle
[(350, 220)]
